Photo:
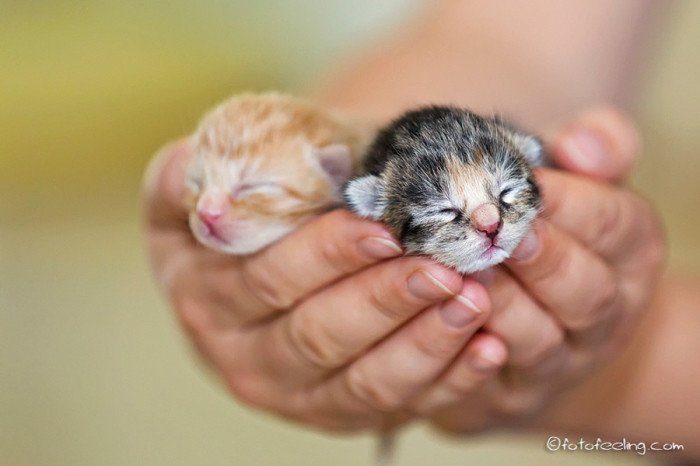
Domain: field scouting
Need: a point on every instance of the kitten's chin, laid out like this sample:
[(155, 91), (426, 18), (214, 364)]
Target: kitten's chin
[(484, 261), (238, 247), (244, 242)]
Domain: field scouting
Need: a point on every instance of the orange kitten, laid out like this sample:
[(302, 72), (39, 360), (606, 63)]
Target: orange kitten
[(263, 165)]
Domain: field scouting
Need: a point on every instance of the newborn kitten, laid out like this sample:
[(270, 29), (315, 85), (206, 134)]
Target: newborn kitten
[(452, 185), (263, 165)]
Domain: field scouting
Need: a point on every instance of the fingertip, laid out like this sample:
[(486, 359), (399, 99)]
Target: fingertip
[(163, 184), (380, 248), (487, 352), (167, 159), (477, 295), (339, 221), (444, 277), (602, 143), (529, 247), (620, 128)]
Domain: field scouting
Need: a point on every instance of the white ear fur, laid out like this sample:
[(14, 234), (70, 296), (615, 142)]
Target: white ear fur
[(335, 160), (365, 196), (531, 147)]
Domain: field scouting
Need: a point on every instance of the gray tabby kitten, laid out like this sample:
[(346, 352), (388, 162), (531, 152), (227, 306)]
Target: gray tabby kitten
[(452, 185)]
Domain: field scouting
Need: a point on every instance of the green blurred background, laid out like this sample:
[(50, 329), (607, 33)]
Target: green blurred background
[(93, 369)]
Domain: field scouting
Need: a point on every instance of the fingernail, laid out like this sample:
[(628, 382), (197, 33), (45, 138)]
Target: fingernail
[(380, 248), (459, 311), (423, 285), (585, 148), (528, 248), (485, 360)]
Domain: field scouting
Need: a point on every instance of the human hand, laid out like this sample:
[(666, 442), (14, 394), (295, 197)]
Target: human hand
[(574, 290), (262, 321), (320, 327)]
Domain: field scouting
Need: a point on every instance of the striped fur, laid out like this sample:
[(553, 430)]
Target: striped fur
[(429, 170)]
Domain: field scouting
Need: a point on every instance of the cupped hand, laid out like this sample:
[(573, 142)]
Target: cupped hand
[(329, 326), (571, 295), (332, 328)]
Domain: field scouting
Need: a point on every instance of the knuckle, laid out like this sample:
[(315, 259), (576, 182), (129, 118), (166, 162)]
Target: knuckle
[(608, 221), (299, 405), (656, 255), (555, 265), (423, 408), (248, 389), (628, 136), (608, 111), (387, 299), (191, 315), (605, 298), (656, 249), (258, 279), (334, 254), (550, 339), (440, 347), (307, 341), (461, 386), (430, 402), (371, 393), (517, 404), (504, 296)]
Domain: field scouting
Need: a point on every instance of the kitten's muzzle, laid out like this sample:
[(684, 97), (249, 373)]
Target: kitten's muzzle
[(208, 217), (487, 220)]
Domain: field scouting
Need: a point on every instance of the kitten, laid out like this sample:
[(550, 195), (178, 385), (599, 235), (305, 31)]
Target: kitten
[(263, 165), (452, 185)]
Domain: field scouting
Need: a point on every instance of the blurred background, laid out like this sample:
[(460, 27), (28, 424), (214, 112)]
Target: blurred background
[(93, 369)]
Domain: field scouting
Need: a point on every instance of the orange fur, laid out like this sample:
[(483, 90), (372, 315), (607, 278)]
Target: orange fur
[(270, 138)]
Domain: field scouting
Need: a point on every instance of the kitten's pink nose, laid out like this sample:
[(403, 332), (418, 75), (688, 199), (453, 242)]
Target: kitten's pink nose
[(486, 220), (210, 208), (208, 217)]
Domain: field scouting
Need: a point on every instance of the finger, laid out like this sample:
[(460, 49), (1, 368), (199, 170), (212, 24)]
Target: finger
[(342, 321), (198, 321), (519, 392), (480, 360), (610, 221), (575, 285), (529, 332), (556, 365), (163, 186), (319, 253), (508, 403), (603, 143), (397, 369), (471, 416)]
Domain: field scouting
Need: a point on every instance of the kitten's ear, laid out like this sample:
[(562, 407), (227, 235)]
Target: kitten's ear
[(365, 196), (531, 147), (335, 160)]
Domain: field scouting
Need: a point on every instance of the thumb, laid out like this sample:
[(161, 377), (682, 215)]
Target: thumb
[(163, 185), (602, 143)]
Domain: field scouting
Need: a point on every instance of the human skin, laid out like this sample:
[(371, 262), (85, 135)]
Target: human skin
[(647, 391), (397, 344), (393, 348)]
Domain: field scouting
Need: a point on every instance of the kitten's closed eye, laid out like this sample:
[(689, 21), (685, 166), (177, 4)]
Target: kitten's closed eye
[(451, 185), (193, 185), (507, 196), (451, 213), (266, 187)]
